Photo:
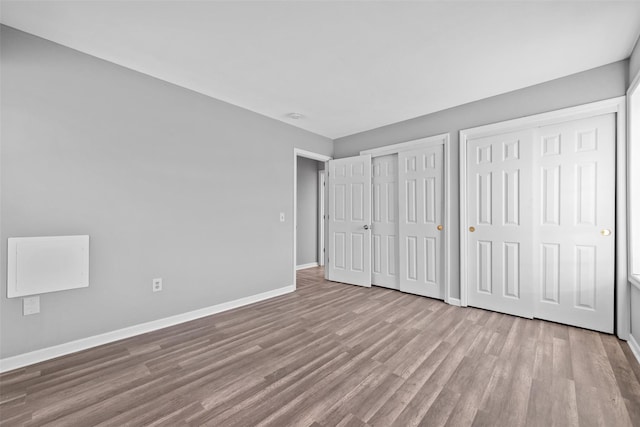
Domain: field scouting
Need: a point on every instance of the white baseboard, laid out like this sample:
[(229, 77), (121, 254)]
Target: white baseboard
[(635, 348), (303, 266), (454, 301), (21, 360)]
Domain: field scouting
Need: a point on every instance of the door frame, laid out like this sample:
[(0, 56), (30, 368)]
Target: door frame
[(321, 214), (415, 144), (615, 105), (298, 152)]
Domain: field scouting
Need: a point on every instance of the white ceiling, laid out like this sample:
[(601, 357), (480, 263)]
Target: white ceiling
[(347, 66)]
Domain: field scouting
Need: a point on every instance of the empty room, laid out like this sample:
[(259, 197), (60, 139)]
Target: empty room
[(319, 213)]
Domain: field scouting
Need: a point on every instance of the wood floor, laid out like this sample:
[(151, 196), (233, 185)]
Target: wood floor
[(337, 355)]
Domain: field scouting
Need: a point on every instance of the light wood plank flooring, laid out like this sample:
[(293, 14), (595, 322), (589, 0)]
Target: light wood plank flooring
[(337, 355)]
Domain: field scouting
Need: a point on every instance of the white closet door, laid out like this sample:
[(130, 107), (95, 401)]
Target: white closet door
[(575, 217), (421, 213), (499, 220), (349, 221), (384, 230)]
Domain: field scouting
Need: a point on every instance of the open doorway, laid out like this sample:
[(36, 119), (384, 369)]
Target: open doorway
[(310, 212), (309, 205)]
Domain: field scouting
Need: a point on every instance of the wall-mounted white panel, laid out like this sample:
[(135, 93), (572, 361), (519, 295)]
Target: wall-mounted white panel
[(37, 265)]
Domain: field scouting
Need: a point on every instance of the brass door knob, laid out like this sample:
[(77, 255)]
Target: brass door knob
[(439, 228), (472, 229), (605, 232)]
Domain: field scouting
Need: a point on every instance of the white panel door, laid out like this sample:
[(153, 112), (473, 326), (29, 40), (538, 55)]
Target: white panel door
[(421, 213), (575, 220), (384, 230), (349, 222), (499, 220)]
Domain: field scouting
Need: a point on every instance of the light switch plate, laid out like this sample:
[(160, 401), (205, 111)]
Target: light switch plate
[(31, 305), (281, 216)]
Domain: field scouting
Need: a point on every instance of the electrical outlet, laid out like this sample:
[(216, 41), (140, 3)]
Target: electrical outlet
[(281, 216), (157, 284), (31, 305)]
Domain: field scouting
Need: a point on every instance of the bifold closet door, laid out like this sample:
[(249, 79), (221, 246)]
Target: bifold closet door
[(575, 222), (499, 219), (421, 214), (349, 221), (384, 230)]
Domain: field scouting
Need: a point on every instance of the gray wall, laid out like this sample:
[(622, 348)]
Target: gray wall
[(168, 183), (593, 85), (307, 244), (634, 61)]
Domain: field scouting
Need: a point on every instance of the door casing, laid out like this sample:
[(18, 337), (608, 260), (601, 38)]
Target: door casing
[(297, 152)]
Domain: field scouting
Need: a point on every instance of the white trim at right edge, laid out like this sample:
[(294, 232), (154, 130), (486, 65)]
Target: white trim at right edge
[(633, 155), (635, 348)]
